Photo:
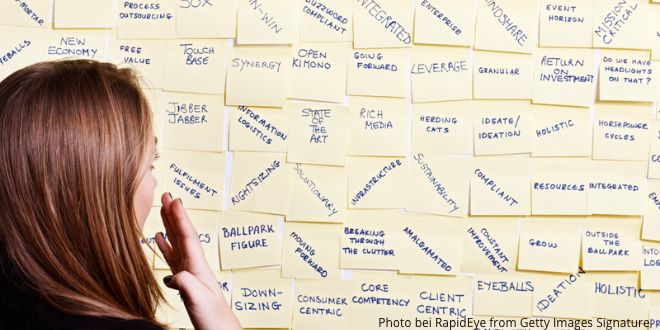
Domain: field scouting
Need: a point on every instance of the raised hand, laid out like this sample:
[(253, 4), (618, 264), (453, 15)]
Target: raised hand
[(192, 275)]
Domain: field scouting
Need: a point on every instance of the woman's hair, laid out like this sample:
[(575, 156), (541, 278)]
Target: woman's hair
[(74, 141)]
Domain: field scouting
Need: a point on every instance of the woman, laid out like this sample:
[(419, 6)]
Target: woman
[(76, 186)]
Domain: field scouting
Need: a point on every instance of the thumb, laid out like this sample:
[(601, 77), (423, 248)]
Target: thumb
[(187, 284)]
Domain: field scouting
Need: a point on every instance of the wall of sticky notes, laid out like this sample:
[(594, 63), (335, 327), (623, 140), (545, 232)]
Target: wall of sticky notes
[(353, 163)]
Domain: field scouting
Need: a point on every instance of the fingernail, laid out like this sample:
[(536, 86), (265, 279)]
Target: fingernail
[(170, 195), (167, 280), (180, 201)]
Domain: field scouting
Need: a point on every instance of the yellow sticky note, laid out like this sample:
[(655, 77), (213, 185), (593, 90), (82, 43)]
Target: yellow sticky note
[(75, 44), (147, 20), (197, 177), (560, 186), (627, 76), (438, 185), (503, 127), (564, 76), (617, 187), (376, 182), (382, 24), (318, 133), (378, 126), (429, 245), (650, 273), (443, 127), (267, 22), (260, 182), (651, 223), (617, 296), (195, 66), (444, 22), (257, 76), (654, 150), (249, 240), (502, 75), (322, 304), (371, 240), (318, 71), (205, 223), (566, 296), (258, 129), (21, 46), (192, 121), (440, 296), (623, 25), (549, 244), (206, 18), (77, 14), (262, 299), (500, 186), (382, 72), (328, 21), (621, 131), (562, 131), (370, 289), (31, 13), (441, 74), (318, 194), (311, 250), (611, 243), (146, 56), (566, 23), (490, 245), (510, 26), (490, 291)]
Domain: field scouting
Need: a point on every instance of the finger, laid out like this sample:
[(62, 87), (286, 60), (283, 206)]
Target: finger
[(166, 222), (184, 228), (188, 285), (165, 214), (191, 248), (166, 251)]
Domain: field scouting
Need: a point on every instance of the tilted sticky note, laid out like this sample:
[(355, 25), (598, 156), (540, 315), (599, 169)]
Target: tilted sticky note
[(311, 250), (510, 26), (260, 182), (490, 245), (258, 129), (500, 186), (318, 193)]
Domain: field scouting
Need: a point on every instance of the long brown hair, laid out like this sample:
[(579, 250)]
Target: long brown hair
[(74, 140)]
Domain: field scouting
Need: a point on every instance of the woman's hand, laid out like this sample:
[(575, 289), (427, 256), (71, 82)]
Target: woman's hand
[(192, 275)]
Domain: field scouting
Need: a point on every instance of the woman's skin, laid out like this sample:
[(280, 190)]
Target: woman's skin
[(193, 277)]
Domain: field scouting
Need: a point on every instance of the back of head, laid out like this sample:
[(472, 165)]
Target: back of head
[(73, 142)]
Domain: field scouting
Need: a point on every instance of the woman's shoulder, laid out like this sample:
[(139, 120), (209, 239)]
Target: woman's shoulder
[(20, 308), (23, 310), (40, 315)]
